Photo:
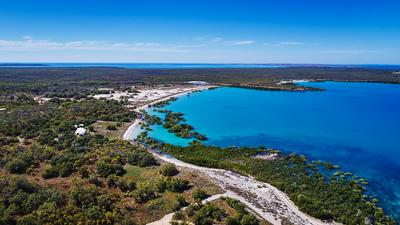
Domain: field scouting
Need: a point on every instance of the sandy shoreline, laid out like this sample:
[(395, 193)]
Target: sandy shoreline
[(267, 201), (292, 81), (129, 133)]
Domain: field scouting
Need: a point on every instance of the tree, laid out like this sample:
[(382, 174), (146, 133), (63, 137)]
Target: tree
[(201, 220), (232, 221), (95, 180), (126, 184), (17, 166), (249, 219), (144, 194), (168, 170), (50, 172), (178, 215), (106, 167), (82, 196), (141, 158), (66, 169), (111, 127), (179, 203), (199, 195), (178, 185), (112, 181)]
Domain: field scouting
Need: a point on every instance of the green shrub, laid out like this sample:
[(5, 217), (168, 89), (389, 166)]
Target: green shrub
[(126, 184), (50, 172), (142, 159), (199, 195), (111, 127), (237, 205), (112, 181), (17, 166), (178, 185), (142, 195), (83, 171), (91, 128), (66, 169), (249, 219), (179, 203), (95, 180), (178, 216), (105, 168), (168, 170), (231, 221)]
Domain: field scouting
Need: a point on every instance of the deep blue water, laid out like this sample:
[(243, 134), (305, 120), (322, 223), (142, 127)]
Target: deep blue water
[(354, 125), (194, 65)]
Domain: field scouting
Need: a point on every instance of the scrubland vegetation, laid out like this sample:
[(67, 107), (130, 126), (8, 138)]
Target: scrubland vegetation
[(49, 175)]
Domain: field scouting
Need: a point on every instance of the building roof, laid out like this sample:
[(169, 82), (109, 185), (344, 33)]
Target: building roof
[(80, 131), (196, 82)]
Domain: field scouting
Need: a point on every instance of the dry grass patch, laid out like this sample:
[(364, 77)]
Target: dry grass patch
[(141, 174)]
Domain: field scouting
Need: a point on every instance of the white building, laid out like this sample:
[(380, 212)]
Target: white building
[(195, 82), (80, 131)]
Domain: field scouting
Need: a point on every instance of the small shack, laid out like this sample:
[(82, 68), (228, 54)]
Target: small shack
[(80, 131), (195, 82)]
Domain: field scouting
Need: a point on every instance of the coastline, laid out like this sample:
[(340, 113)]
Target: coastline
[(266, 195), (128, 134)]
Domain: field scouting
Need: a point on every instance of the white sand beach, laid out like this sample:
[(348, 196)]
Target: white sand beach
[(144, 96), (291, 81), (134, 129)]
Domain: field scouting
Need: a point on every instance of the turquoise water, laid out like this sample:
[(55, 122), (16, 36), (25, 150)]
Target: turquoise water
[(354, 125)]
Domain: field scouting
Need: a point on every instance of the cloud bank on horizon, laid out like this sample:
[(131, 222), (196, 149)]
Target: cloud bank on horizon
[(254, 31)]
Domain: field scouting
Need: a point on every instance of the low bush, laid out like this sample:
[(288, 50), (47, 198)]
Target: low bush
[(168, 170), (50, 172), (199, 195)]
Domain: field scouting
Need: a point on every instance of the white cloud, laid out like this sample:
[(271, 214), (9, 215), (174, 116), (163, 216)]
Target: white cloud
[(27, 37), (290, 43), (216, 40), (349, 51), (244, 42), (27, 43), (200, 38)]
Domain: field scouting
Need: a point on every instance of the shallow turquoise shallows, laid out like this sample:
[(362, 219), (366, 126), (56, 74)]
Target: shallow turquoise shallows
[(354, 125)]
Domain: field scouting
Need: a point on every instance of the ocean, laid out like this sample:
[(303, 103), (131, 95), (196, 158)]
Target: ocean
[(192, 65)]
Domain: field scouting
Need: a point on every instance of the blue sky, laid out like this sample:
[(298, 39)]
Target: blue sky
[(296, 31)]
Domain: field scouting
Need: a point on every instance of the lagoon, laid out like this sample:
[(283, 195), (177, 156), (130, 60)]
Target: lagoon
[(354, 125)]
